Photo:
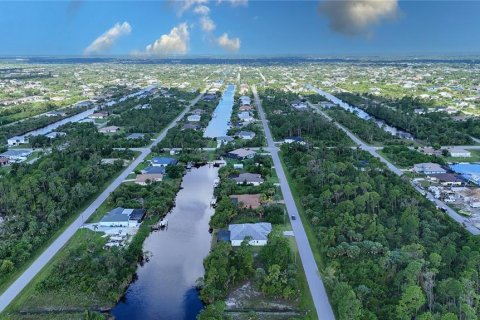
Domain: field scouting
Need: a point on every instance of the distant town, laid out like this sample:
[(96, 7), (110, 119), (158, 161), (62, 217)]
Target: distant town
[(267, 189)]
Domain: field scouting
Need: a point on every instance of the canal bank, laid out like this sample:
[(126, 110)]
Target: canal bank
[(165, 285)]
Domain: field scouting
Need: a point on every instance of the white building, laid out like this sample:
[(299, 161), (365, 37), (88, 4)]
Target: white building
[(120, 217), (428, 168), (256, 232), (459, 153), (194, 118), (17, 140)]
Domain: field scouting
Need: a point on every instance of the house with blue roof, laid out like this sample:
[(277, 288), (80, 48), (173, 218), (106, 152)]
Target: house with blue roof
[(163, 161), (153, 170)]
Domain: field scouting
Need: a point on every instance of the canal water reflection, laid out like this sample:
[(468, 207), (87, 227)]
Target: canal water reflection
[(218, 126), (165, 288)]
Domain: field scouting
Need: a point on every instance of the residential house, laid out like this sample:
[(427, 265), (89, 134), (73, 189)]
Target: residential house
[(17, 140), (163, 161), (147, 178), (241, 154), (190, 126), (17, 155), (299, 105), (145, 106), (134, 136), (245, 100), (112, 161), (55, 134), (246, 107), (56, 113), (245, 135), (197, 111), (457, 152), (194, 118), (245, 116), (120, 217), (257, 233), (299, 140), (209, 97), (428, 168), (246, 201), (253, 179), (151, 170), (99, 115), (109, 129), (446, 179), (326, 104), (225, 140)]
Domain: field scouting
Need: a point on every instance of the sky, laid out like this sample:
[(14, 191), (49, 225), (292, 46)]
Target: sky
[(239, 27)]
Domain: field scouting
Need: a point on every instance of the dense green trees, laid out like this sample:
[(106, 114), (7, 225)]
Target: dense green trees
[(224, 268), (405, 157), (433, 128), (162, 112), (367, 130), (96, 276), (37, 199), (287, 122), (386, 248)]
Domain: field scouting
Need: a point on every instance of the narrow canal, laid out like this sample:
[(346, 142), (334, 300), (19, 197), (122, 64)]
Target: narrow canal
[(218, 126), (362, 114), (165, 287)]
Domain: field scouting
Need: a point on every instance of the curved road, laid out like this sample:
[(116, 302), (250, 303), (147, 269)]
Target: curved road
[(21, 282), (317, 289)]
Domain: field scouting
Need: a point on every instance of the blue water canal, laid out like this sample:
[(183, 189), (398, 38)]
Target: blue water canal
[(165, 285), (218, 126)]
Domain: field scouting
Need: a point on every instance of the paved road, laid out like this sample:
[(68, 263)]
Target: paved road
[(465, 222), (317, 289), (7, 297)]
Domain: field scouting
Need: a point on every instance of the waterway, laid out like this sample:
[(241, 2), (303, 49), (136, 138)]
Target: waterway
[(362, 114), (218, 126), (82, 115), (165, 285)]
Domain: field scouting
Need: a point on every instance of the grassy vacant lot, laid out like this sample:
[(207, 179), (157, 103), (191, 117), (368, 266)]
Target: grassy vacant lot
[(31, 299)]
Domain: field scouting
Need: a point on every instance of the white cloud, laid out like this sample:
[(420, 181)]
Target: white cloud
[(176, 42), (235, 3), (107, 40), (229, 44), (187, 4), (356, 17), (202, 10), (207, 24)]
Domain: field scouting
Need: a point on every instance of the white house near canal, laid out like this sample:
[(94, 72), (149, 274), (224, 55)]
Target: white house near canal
[(256, 232)]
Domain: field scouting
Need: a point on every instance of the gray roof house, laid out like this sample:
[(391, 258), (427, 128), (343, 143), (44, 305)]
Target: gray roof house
[(241, 154), (121, 217), (256, 232), (248, 178), (428, 168), (245, 135), (136, 136)]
